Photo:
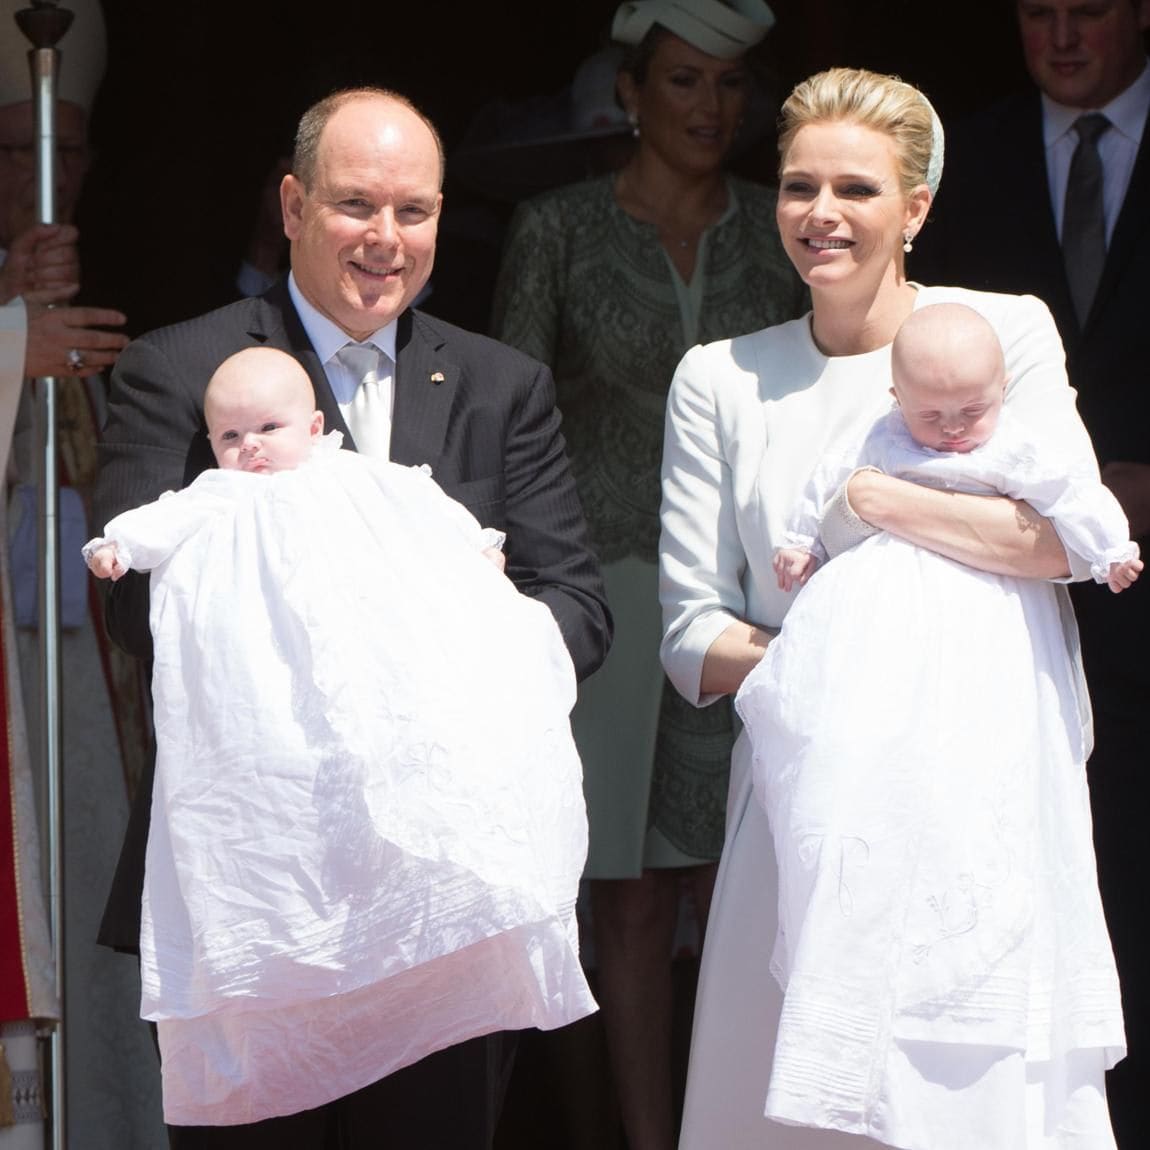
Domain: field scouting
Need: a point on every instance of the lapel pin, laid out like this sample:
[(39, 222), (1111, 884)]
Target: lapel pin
[(437, 377)]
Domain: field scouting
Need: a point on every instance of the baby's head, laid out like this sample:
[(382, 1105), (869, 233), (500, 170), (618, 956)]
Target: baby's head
[(260, 412), (949, 376)]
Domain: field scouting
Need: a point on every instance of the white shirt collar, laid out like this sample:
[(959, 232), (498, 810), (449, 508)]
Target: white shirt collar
[(328, 337), (1126, 112)]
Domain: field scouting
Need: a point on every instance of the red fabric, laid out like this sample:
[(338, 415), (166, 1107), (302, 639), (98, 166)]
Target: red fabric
[(13, 982)]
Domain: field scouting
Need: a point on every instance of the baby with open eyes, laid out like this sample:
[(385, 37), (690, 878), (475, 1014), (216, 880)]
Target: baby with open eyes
[(920, 730), (260, 410), (368, 823)]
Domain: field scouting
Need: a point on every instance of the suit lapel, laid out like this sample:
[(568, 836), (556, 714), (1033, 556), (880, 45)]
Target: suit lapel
[(426, 381), (278, 325), (426, 376)]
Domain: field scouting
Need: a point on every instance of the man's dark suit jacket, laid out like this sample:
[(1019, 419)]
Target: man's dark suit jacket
[(992, 227), (482, 415)]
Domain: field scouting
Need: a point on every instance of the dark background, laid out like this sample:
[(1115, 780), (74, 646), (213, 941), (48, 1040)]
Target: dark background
[(201, 98)]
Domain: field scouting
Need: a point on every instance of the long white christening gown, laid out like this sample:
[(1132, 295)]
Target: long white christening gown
[(920, 731), (368, 823)]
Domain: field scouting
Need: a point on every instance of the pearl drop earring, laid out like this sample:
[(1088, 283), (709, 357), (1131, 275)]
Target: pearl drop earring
[(907, 242)]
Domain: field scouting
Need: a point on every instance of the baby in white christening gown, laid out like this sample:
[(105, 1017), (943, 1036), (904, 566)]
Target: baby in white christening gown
[(368, 823), (920, 730)]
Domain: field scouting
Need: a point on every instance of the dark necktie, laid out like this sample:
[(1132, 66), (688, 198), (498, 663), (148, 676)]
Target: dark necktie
[(1083, 220)]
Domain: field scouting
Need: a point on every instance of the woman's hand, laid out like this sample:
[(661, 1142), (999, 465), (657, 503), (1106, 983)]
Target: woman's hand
[(988, 532), (732, 657)]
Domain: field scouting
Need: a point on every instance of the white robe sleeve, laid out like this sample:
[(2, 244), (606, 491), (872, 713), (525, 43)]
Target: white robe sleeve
[(147, 536), (1085, 513), (13, 342)]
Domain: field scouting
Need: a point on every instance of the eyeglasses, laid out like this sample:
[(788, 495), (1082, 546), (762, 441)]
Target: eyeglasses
[(23, 155)]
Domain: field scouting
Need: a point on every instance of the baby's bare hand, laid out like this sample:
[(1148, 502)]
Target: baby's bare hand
[(1123, 575), (793, 567), (105, 564), (494, 555)]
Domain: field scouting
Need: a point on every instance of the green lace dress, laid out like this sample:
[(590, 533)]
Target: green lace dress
[(591, 292)]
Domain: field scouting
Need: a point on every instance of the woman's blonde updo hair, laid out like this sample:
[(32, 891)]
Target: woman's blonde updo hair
[(883, 103)]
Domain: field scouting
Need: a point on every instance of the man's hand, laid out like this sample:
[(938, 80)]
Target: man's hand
[(42, 265), (43, 268), (68, 340)]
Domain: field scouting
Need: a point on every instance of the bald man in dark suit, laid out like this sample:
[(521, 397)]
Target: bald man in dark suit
[(361, 208)]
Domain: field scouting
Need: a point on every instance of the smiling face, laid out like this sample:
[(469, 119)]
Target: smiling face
[(949, 377), (363, 233), (1083, 53), (260, 412), (842, 213), (688, 105)]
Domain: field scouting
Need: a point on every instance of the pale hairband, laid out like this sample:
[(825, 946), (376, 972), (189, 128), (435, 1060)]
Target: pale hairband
[(937, 148), (933, 165)]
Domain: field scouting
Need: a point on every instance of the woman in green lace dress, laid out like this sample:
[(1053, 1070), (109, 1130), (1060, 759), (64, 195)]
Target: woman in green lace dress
[(610, 281)]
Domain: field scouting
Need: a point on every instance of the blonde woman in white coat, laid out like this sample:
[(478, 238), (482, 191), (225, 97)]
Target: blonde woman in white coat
[(747, 420)]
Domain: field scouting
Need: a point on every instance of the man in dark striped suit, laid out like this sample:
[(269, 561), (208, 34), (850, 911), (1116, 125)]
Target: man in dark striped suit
[(361, 208)]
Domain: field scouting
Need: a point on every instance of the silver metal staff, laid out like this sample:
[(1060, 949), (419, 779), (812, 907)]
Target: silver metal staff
[(43, 24)]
